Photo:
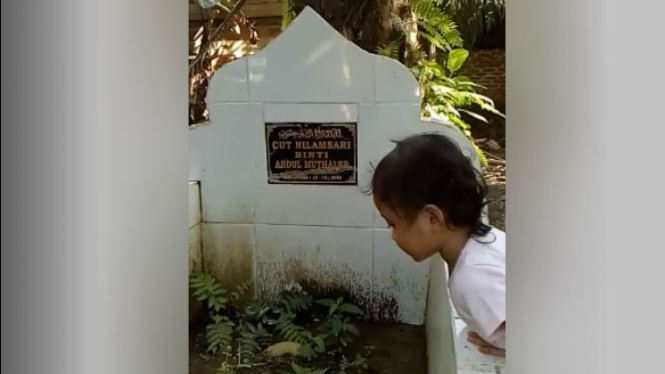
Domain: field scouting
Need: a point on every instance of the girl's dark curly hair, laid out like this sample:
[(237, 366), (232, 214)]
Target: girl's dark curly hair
[(431, 169)]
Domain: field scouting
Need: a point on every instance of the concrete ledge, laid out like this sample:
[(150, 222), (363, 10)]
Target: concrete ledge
[(439, 321), (195, 242), (448, 350), (194, 204)]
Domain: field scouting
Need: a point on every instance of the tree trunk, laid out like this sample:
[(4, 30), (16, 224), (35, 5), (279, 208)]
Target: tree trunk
[(367, 23), (402, 8)]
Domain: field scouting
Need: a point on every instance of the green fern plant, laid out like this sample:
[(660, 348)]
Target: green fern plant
[(287, 330), (241, 291), (288, 13), (257, 311), (443, 95), (339, 307), (294, 301), (314, 347), (475, 17), (358, 365), (436, 26), (206, 288), (390, 49), (219, 334), (240, 332), (339, 323), (226, 369), (446, 96), (341, 328), (252, 339)]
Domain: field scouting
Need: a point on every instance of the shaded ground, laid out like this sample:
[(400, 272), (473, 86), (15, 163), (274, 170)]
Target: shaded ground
[(497, 205), (488, 137), (392, 349), (398, 348)]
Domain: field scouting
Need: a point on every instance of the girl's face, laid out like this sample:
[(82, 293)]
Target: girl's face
[(420, 237)]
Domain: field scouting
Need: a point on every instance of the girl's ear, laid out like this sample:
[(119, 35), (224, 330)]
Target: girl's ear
[(434, 215)]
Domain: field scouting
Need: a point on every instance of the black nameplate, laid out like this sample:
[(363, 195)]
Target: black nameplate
[(312, 153)]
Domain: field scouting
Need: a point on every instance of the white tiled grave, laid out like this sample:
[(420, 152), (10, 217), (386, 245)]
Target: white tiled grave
[(330, 234)]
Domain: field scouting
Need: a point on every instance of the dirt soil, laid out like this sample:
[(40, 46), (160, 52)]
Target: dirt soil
[(398, 348), (392, 348)]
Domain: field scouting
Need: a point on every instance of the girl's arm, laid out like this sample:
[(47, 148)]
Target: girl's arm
[(485, 347), (481, 293)]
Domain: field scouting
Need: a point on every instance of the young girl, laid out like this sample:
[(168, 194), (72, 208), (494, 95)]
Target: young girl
[(432, 197)]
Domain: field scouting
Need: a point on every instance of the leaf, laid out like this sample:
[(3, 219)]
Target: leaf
[(320, 346), (283, 348), (437, 69), (287, 14), (474, 115), (330, 303), (336, 325), (350, 308), (390, 50), (306, 351), (434, 36), (456, 59), (441, 89), (465, 83), (219, 334), (433, 40), (326, 302)]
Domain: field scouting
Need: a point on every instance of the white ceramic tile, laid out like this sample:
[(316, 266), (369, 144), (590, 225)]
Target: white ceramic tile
[(400, 279), (379, 126), (394, 82), (229, 84), (382, 124), (310, 62), (316, 113), (228, 155), (228, 251), (194, 204), (329, 258), (449, 130), (379, 221), (195, 260), (387, 123), (376, 133), (316, 205)]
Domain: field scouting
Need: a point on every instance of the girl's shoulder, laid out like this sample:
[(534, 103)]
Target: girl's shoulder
[(487, 250), (480, 255)]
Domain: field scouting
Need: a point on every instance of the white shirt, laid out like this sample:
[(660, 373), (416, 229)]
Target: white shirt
[(478, 286)]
